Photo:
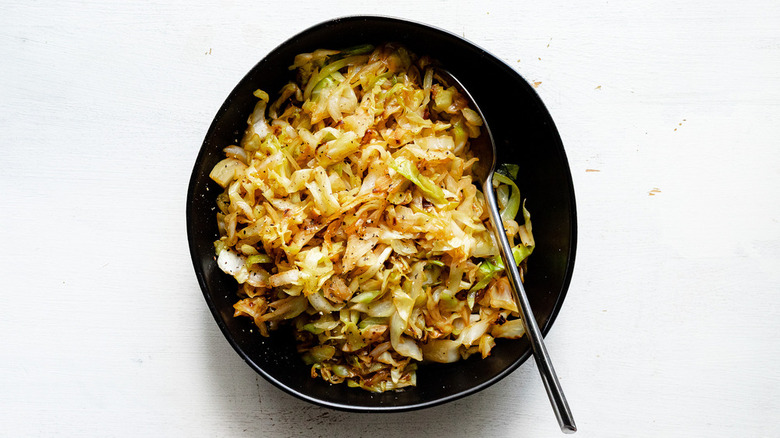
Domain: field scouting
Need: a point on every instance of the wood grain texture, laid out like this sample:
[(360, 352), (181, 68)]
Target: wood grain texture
[(668, 111)]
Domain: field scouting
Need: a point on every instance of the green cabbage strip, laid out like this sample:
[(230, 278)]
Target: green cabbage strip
[(490, 268), (326, 83), (460, 135), (379, 80), (350, 329), (503, 192), (521, 252), (513, 204), (408, 169), (371, 321), (258, 258), (443, 99), (528, 229), (487, 271), (503, 178), (366, 297), (337, 65)]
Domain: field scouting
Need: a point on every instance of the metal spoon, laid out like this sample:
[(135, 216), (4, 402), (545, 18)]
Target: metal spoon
[(484, 148)]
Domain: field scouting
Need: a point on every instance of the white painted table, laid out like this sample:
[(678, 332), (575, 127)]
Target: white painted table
[(670, 113)]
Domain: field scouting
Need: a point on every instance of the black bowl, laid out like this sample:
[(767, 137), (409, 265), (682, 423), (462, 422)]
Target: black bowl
[(525, 134)]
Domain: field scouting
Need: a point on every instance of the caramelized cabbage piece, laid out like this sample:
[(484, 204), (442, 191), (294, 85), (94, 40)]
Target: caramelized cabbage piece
[(350, 212)]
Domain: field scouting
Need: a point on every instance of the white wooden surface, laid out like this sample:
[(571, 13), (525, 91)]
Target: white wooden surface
[(669, 112)]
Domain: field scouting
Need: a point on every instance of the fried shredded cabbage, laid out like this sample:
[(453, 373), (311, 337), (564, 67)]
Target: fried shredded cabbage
[(349, 210)]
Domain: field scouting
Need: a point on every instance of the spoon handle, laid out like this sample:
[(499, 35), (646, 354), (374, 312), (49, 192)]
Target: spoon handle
[(550, 379)]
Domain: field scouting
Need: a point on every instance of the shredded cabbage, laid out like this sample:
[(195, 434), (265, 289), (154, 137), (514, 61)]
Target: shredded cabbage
[(350, 211)]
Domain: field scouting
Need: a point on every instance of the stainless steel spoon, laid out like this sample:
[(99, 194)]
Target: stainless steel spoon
[(484, 148)]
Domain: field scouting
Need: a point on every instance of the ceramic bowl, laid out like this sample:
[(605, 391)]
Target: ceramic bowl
[(525, 135)]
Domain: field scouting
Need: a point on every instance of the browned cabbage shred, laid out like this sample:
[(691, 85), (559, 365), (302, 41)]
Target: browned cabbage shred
[(349, 211)]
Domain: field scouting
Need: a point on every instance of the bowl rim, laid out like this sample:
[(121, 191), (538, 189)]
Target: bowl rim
[(190, 216)]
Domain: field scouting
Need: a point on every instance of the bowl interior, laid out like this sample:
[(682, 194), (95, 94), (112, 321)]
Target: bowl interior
[(524, 134)]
